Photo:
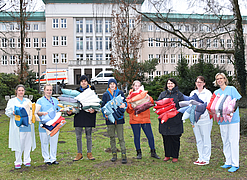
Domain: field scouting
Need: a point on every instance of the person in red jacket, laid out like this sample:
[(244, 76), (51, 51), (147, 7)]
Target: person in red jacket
[(142, 120)]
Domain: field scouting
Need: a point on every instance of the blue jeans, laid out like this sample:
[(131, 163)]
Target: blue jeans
[(136, 128)]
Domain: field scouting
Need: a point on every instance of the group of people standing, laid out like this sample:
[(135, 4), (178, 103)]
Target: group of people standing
[(23, 139)]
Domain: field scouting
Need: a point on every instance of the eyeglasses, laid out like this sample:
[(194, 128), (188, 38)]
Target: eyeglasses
[(219, 79), (199, 82)]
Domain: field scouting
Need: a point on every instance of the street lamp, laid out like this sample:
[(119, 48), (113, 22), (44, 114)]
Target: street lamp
[(38, 49)]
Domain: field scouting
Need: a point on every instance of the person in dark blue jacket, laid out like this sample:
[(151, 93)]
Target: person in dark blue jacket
[(118, 115)]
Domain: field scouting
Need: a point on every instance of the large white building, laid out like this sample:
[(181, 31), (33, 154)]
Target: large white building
[(76, 35)]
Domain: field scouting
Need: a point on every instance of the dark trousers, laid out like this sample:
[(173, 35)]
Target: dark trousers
[(171, 145)]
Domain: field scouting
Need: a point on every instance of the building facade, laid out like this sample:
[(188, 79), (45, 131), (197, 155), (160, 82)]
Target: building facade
[(76, 35)]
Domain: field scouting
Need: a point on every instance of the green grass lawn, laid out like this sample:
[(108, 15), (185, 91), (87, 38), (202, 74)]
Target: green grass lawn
[(102, 168)]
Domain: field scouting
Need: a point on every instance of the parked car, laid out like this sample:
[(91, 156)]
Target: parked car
[(102, 77)]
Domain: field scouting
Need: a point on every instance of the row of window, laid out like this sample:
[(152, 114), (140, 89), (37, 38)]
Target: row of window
[(16, 43), (173, 42), (90, 28), (14, 59), (79, 57), (89, 43), (56, 23), (17, 27), (191, 59)]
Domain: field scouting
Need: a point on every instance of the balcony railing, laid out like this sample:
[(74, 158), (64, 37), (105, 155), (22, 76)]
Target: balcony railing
[(88, 62)]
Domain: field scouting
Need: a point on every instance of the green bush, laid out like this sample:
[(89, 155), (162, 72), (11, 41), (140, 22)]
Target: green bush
[(34, 92)]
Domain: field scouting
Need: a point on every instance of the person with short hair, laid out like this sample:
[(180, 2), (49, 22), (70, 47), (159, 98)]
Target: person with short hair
[(48, 102), (117, 126), (21, 139), (202, 129), (230, 131)]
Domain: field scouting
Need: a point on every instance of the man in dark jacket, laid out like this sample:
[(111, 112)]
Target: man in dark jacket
[(118, 115), (86, 120)]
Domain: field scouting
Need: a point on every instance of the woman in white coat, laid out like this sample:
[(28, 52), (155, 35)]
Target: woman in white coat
[(47, 102), (21, 139), (202, 129)]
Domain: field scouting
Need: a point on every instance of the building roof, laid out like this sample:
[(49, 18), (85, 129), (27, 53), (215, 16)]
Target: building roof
[(190, 18), (90, 1), (13, 16)]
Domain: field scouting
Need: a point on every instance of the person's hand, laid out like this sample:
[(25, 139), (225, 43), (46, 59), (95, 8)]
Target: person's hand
[(44, 113), (122, 105), (69, 112), (13, 112), (91, 110)]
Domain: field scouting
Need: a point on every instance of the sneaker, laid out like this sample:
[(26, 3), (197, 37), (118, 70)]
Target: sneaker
[(196, 162), (203, 163), (28, 164), (233, 169), (226, 166), (18, 166), (174, 160)]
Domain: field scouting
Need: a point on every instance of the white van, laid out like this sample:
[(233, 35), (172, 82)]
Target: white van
[(102, 77)]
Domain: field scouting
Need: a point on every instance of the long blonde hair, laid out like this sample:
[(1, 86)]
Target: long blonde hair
[(224, 76)]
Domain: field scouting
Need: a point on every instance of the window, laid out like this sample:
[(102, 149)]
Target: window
[(28, 59), (165, 59), (63, 23), (79, 43), (28, 27), (201, 43), (11, 27), (187, 28), (19, 43), (208, 29), (55, 58), (187, 57), (55, 23), (35, 27), (229, 73), (173, 73), (215, 59), (150, 27), (63, 58), (222, 43), (55, 41), (89, 56), (157, 44), (89, 26), (173, 58), (194, 42), (35, 60), (131, 23), (208, 42), (108, 57), (79, 26), (28, 42), (222, 59), (12, 60), (99, 43), (194, 59), (43, 59), (179, 57), (4, 60), (229, 59), (173, 43), (19, 59), (158, 57), (107, 43), (215, 43), (43, 42), (179, 44), (63, 40), (158, 73), (150, 42), (89, 43), (107, 26), (208, 57), (229, 43), (166, 42), (79, 57), (12, 43), (35, 42), (165, 72), (150, 56), (99, 58), (98, 26), (151, 75)]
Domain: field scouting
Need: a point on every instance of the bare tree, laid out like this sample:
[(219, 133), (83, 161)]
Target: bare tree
[(216, 23)]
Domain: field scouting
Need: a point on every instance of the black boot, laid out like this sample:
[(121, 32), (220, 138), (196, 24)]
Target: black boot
[(114, 157), (124, 158), (139, 154), (153, 154)]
